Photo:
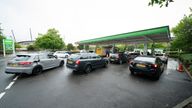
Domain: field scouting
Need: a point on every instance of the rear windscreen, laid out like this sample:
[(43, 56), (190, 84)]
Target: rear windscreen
[(145, 59), (22, 57), (75, 56)]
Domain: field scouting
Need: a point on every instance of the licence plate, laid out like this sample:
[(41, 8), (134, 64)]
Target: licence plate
[(13, 65), (112, 60), (141, 65), (70, 62)]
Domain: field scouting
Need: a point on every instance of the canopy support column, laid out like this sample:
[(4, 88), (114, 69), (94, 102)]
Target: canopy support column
[(145, 48), (113, 48)]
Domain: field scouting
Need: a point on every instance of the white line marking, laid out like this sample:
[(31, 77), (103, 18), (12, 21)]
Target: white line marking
[(2, 94), (9, 86), (15, 78)]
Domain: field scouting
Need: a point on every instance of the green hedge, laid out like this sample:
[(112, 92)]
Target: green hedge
[(186, 58)]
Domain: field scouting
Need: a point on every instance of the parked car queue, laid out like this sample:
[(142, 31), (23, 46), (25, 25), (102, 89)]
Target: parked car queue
[(84, 62)]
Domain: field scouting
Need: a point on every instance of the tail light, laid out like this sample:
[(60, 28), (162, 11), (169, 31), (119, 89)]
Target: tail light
[(77, 62), (154, 65), (131, 62), (25, 63)]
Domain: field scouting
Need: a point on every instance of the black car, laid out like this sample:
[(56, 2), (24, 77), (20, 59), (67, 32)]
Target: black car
[(132, 55), (85, 62), (118, 58), (148, 65)]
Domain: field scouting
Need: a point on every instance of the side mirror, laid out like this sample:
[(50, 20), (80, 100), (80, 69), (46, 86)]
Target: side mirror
[(36, 61), (56, 57)]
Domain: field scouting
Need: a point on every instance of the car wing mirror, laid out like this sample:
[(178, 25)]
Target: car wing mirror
[(36, 61)]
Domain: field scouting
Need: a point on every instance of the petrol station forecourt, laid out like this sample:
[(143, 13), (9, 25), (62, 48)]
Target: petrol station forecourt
[(152, 35)]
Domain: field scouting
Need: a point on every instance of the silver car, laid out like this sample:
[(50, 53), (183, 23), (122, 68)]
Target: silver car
[(32, 63)]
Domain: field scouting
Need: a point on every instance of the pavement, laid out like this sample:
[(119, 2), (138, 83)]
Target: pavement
[(111, 87)]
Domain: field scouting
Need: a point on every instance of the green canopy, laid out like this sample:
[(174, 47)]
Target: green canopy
[(159, 34)]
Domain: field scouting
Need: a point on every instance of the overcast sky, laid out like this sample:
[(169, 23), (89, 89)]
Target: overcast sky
[(85, 19)]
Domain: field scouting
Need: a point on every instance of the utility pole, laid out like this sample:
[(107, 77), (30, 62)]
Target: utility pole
[(30, 34), (13, 35)]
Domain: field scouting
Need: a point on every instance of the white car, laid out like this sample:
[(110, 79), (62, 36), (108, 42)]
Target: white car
[(61, 54)]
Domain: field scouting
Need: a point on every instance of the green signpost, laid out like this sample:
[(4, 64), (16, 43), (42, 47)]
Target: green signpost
[(8, 45)]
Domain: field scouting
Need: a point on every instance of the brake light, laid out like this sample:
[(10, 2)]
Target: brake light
[(25, 63), (77, 62), (154, 65)]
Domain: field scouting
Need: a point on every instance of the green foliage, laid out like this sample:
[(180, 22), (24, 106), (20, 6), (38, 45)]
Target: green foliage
[(1, 42), (1, 38), (86, 47), (161, 3), (80, 47), (130, 48), (17, 45), (70, 47), (32, 48), (186, 58), (183, 34), (50, 40), (190, 69)]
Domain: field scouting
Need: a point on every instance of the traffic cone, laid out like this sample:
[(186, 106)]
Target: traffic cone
[(180, 68)]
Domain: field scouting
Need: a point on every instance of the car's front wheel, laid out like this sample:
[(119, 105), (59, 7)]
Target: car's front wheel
[(61, 64), (37, 70)]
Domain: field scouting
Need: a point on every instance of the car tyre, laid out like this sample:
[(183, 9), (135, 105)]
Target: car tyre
[(37, 70), (88, 69), (132, 72), (61, 64), (66, 56), (120, 61)]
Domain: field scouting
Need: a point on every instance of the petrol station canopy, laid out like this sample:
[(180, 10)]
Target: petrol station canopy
[(158, 34)]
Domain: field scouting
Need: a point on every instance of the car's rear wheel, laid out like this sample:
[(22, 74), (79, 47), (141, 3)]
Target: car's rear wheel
[(37, 70), (132, 72), (88, 69), (120, 61), (61, 64)]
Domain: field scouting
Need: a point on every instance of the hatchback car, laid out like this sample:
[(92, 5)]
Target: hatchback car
[(32, 63), (148, 65), (85, 62)]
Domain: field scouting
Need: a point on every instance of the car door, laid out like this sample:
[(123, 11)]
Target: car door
[(54, 62), (45, 61)]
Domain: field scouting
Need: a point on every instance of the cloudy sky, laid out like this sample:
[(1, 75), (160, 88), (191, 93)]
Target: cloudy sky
[(85, 19)]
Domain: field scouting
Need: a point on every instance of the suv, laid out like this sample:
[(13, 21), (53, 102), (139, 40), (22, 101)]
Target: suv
[(85, 62)]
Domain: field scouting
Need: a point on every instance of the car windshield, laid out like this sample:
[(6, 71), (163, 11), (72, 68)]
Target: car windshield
[(145, 59), (22, 57)]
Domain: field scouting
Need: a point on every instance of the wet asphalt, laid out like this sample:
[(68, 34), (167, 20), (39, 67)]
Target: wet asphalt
[(111, 87)]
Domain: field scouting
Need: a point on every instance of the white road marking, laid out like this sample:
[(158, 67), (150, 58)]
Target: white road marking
[(2, 94), (9, 86), (15, 78)]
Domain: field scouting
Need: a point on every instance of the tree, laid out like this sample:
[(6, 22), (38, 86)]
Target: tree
[(183, 34), (17, 45), (50, 40), (80, 47), (1, 38), (70, 47), (160, 2)]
